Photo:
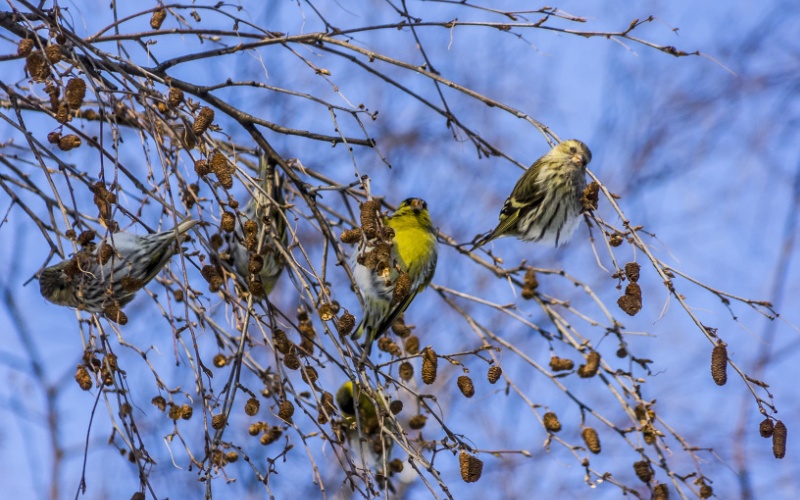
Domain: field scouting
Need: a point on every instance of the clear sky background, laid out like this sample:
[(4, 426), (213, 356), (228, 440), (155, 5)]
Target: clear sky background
[(704, 152)]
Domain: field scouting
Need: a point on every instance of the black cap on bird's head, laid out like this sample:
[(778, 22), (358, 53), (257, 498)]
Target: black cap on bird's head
[(416, 204)]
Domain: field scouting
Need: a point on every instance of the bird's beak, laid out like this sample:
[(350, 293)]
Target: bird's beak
[(417, 205), (579, 159)]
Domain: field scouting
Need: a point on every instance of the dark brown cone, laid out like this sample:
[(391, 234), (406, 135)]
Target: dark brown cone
[(466, 386), (779, 440), (471, 467), (719, 364), (551, 422)]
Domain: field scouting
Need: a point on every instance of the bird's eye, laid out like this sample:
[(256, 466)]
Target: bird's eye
[(573, 149)]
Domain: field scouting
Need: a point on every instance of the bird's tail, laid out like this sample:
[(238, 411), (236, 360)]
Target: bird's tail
[(270, 201), (185, 225), (482, 240)]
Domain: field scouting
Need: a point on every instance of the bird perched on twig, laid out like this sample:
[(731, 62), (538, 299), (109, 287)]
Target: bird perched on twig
[(392, 267), (102, 278), (363, 418), (255, 259), (545, 204)]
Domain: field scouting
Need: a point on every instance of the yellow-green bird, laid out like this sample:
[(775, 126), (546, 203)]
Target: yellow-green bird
[(364, 418), (545, 204), (411, 264), (255, 259)]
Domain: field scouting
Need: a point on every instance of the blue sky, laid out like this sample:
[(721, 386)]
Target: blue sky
[(704, 158)]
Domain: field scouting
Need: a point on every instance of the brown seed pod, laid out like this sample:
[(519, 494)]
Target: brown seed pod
[(227, 221), (186, 412), (256, 264), (591, 439), (466, 386), (766, 428), (231, 457), (157, 19), (649, 434), (589, 198), (174, 412), (252, 406), (219, 421), (25, 47), (494, 374), (370, 211), (131, 284), (386, 344), (396, 466), (471, 467), (53, 137), (634, 290), (719, 364), (69, 142), (396, 406), (250, 227), (346, 323), (779, 440), (53, 53), (551, 422), (429, 365), (661, 492), (62, 115), (326, 312), (643, 470), (256, 428), (286, 410), (412, 345), (327, 403), (76, 91), (417, 422), (37, 66), (290, 359), (86, 237), (401, 288), (406, 371), (644, 414), (114, 314), (631, 304), (706, 491), (104, 253), (220, 360), (256, 286), (632, 272), (281, 341), (216, 241), (351, 236), (400, 328), (175, 97), (159, 402), (615, 240), (309, 375), (203, 120), (202, 168), (83, 378), (219, 163), (561, 364), (209, 272), (270, 437), (589, 370)]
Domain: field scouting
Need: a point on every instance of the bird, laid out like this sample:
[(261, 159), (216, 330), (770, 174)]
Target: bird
[(390, 273), (105, 277), (362, 422), (545, 204), (254, 258)]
